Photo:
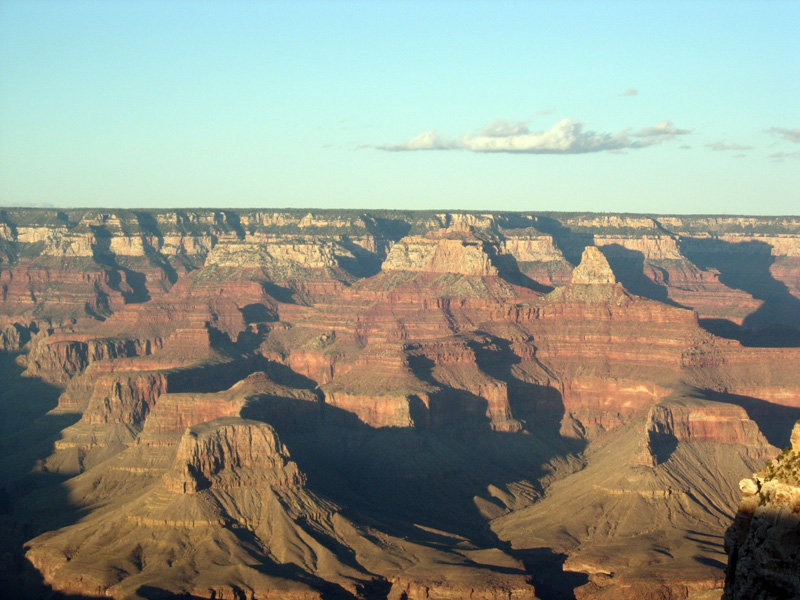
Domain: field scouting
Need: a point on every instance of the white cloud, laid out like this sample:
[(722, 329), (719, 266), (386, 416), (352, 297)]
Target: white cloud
[(567, 136), (428, 140), (779, 156), (503, 128), (723, 147), (660, 132), (793, 135)]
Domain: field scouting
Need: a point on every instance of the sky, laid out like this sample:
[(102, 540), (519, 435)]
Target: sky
[(631, 106)]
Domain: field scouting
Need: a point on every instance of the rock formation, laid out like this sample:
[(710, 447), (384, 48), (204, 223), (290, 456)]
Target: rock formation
[(231, 516), (593, 269), (762, 543), (439, 256), (331, 404)]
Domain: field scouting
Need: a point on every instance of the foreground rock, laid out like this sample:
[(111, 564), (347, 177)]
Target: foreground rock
[(763, 542)]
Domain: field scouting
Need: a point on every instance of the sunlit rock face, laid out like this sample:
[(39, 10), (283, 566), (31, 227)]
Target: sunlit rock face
[(439, 256), (593, 268), (763, 542), (230, 453)]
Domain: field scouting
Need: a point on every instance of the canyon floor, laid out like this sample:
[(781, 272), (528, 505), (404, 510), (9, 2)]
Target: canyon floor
[(387, 405)]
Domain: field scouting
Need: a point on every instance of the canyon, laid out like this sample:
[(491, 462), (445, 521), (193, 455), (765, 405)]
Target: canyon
[(395, 405)]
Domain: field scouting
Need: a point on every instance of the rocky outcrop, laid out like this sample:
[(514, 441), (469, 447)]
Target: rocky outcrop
[(532, 247), (225, 453), (706, 421), (378, 410), (177, 411), (593, 269), (280, 256), (649, 247), (230, 515), (601, 403), (439, 256), (57, 358), (14, 336), (124, 397), (763, 541)]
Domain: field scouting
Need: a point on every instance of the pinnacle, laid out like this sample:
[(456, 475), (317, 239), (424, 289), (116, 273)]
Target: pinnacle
[(594, 268)]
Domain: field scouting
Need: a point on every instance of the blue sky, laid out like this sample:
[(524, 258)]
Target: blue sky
[(660, 107)]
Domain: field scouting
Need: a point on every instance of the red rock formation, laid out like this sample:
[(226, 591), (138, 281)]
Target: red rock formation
[(704, 422), (674, 421), (59, 357), (124, 398), (174, 412)]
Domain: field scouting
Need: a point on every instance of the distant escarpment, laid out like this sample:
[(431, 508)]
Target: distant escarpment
[(739, 273), (342, 404)]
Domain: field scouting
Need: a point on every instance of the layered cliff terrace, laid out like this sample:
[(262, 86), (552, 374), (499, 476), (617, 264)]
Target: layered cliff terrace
[(740, 274)]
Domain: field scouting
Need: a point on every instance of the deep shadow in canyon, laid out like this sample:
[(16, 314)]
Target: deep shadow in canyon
[(746, 266), (438, 476), (132, 287), (628, 268), (33, 500), (570, 243), (548, 576), (428, 476)]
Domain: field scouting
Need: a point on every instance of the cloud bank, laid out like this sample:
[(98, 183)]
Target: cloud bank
[(723, 147), (793, 135), (567, 136), (779, 156)]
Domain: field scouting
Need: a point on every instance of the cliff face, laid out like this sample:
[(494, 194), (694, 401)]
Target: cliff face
[(456, 384), (439, 256), (703, 422), (762, 543), (61, 265), (230, 454)]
